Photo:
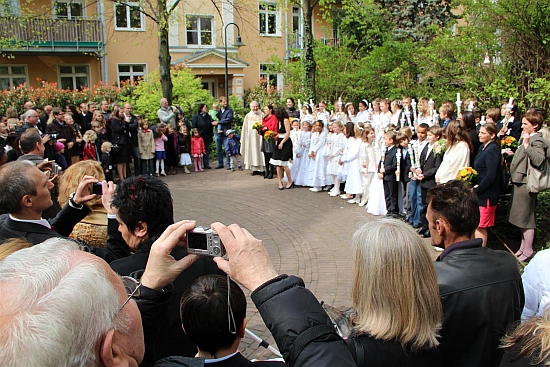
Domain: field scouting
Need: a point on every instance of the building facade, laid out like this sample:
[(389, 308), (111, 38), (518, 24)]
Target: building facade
[(81, 42)]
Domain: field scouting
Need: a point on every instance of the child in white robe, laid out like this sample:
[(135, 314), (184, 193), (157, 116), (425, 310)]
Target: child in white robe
[(335, 149), (367, 161)]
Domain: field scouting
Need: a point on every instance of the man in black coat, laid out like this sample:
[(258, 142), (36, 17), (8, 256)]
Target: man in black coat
[(25, 195), (132, 138), (225, 121), (481, 289)]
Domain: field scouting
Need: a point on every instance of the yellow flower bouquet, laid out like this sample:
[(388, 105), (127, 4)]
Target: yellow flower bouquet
[(468, 175)]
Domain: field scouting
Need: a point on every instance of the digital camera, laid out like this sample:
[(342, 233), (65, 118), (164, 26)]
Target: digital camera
[(204, 241)]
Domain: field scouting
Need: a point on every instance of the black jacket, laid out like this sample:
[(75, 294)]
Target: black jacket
[(238, 360), (390, 164), (119, 131), (487, 164), (368, 351), (171, 340), (429, 166), (132, 131), (62, 226), (203, 123), (225, 119), (288, 310), (482, 294)]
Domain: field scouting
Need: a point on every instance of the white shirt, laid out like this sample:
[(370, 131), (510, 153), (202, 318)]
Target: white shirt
[(41, 221), (536, 285)]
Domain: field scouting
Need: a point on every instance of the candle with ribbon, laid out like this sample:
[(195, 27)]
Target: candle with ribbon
[(412, 155), (398, 157), (431, 104), (471, 106), (413, 106), (458, 103), (340, 103), (299, 104), (370, 111), (482, 121), (435, 119), (403, 120)]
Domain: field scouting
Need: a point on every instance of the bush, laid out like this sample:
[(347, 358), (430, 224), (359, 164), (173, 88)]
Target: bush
[(49, 94), (187, 93)]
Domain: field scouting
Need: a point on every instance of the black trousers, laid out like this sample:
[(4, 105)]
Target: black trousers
[(423, 220), (390, 194)]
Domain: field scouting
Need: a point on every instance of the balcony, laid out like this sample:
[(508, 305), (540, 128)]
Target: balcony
[(33, 35)]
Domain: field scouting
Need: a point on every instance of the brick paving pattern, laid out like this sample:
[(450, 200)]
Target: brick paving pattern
[(306, 234)]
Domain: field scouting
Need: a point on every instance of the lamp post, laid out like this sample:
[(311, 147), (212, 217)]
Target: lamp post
[(238, 43)]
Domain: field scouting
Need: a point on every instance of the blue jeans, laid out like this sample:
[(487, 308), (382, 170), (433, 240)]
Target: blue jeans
[(416, 202), (206, 157), (147, 166), (220, 141)]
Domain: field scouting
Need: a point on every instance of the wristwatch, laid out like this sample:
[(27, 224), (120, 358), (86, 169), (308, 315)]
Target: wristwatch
[(72, 202)]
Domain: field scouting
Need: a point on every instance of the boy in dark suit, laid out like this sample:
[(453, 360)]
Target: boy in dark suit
[(107, 161), (386, 172), (429, 163), (215, 326)]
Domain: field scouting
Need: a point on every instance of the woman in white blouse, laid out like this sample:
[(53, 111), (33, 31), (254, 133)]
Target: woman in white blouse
[(457, 155)]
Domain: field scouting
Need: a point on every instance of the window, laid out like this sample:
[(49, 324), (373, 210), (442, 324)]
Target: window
[(271, 76), (68, 10), (297, 34), (199, 30), (9, 8), (73, 76), (12, 75), (133, 72), (269, 19), (128, 17)]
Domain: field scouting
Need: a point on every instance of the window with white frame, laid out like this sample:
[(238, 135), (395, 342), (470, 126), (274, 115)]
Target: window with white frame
[(128, 17), (199, 30), (73, 76), (133, 72), (297, 34), (9, 8), (12, 75), (68, 10), (271, 76), (269, 19)]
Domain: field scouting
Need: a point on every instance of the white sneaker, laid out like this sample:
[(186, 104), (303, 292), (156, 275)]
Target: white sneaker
[(315, 189), (334, 194), (362, 204), (353, 201), (345, 196)]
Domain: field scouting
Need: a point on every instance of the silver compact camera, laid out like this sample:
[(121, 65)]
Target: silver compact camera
[(204, 241)]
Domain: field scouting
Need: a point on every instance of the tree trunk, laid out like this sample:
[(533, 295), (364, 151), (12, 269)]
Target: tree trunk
[(308, 57), (164, 54)]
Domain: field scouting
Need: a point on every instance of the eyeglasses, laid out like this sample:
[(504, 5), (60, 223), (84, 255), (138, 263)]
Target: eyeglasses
[(133, 289)]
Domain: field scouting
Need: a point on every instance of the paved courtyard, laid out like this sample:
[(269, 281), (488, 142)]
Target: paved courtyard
[(307, 234)]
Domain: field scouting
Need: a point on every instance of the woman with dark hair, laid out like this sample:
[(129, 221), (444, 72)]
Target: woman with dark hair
[(283, 151), (457, 155), (290, 109), (119, 152), (468, 118), (202, 121), (487, 163), (269, 121), (531, 151), (363, 114)]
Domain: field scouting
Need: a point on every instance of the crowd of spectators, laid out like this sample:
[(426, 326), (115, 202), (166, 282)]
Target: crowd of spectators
[(132, 294)]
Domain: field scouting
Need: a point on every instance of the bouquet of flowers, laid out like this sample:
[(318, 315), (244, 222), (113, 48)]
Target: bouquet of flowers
[(440, 147), (261, 129), (467, 174), (270, 135), (509, 147)]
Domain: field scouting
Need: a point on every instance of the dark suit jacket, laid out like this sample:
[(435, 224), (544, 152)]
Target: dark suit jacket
[(225, 119), (390, 164), (514, 127), (87, 121), (133, 131), (487, 164), (429, 165), (405, 167), (238, 360), (62, 226)]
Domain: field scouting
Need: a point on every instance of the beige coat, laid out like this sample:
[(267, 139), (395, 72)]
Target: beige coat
[(146, 145), (535, 152), (251, 143)]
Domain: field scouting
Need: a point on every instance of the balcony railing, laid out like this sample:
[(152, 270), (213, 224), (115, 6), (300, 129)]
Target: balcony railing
[(38, 34)]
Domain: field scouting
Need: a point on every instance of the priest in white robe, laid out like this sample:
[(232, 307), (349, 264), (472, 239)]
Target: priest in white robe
[(251, 141)]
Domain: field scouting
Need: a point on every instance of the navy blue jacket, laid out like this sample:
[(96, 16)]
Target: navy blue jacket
[(390, 164), (232, 146), (225, 119), (488, 164)]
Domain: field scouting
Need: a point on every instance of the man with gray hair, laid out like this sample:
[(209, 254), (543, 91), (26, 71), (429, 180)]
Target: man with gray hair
[(167, 114), (64, 307), (31, 118)]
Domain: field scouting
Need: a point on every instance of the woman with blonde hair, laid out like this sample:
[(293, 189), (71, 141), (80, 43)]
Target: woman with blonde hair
[(457, 154), (396, 297), (93, 228)]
